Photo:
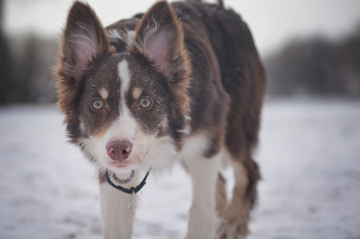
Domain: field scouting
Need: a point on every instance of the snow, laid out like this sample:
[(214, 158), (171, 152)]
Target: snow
[(309, 156)]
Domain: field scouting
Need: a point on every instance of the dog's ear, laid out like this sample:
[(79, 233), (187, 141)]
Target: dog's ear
[(159, 36), (84, 39)]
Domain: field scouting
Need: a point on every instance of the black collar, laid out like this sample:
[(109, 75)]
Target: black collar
[(128, 190)]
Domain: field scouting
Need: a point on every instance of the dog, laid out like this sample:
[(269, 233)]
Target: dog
[(182, 82)]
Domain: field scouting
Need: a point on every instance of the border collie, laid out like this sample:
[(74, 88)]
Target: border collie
[(181, 82)]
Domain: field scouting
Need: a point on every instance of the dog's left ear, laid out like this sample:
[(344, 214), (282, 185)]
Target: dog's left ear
[(159, 36)]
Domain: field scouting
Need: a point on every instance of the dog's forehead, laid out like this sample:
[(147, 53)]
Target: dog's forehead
[(125, 74), (134, 73), (106, 70)]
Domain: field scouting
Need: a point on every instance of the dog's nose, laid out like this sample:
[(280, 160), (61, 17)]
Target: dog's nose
[(118, 150)]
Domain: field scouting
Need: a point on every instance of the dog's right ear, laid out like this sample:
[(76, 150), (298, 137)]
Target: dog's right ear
[(84, 39)]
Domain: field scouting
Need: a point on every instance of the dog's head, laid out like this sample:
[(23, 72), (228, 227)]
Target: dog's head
[(125, 108)]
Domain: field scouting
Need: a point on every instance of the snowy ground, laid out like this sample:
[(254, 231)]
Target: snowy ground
[(309, 157)]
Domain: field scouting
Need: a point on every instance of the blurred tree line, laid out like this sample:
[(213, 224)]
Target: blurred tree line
[(316, 66), (26, 67)]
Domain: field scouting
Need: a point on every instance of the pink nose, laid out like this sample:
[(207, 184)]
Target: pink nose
[(118, 150)]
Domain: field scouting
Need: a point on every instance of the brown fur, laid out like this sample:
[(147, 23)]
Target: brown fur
[(177, 68), (210, 72), (232, 52)]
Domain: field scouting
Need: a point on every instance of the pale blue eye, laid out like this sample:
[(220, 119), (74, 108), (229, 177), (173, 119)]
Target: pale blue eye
[(97, 104), (145, 102)]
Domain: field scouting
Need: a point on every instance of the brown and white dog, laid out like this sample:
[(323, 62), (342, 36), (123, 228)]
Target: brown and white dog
[(182, 82)]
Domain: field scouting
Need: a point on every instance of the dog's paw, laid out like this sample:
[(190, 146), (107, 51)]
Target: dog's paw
[(227, 231), (234, 225)]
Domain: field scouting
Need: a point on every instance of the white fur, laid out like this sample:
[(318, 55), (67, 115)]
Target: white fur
[(160, 151), (125, 77), (96, 146), (130, 37), (185, 130), (117, 218), (193, 146), (203, 220), (188, 117), (148, 150), (113, 34)]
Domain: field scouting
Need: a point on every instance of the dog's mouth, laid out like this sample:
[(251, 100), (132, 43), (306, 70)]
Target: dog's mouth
[(122, 167), (132, 163), (121, 164)]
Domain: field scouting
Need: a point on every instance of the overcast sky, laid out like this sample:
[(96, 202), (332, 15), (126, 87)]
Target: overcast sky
[(272, 22)]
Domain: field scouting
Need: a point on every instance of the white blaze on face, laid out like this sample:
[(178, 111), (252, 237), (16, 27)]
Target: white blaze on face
[(126, 124), (124, 74)]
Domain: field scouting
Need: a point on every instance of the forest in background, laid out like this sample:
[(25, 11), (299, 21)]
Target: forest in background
[(26, 67), (303, 66), (316, 66)]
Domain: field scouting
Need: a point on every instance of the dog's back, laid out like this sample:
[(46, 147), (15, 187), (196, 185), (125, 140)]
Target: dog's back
[(215, 88)]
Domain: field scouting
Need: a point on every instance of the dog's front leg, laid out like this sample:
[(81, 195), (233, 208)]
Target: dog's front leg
[(116, 215), (203, 218)]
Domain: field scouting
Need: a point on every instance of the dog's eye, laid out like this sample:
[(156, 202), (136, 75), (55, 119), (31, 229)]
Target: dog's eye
[(145, 102), (97, 104)]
